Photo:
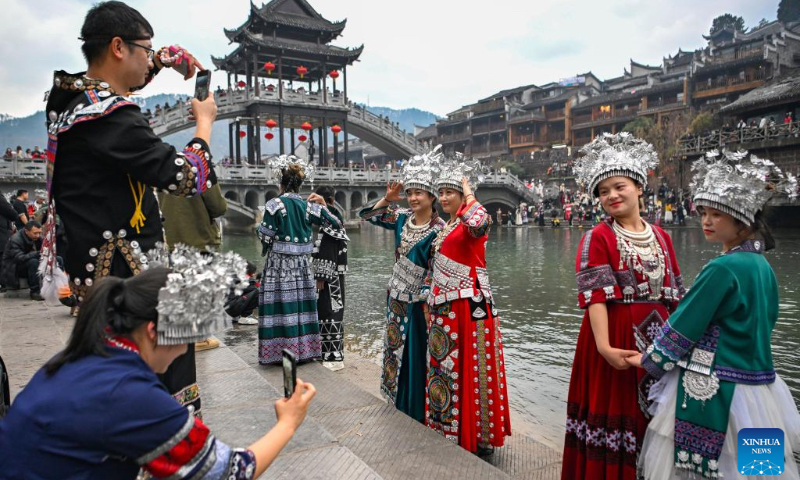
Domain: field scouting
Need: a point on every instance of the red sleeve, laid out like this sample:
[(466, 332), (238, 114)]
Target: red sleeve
[(593, 272)]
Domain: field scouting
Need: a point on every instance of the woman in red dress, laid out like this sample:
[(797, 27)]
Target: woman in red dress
[(466, 395), (628, 282)]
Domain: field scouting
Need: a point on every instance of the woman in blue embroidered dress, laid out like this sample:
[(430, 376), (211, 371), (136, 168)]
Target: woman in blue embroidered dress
[(287, 306), (719, 338), (97, 409), (404, 376)]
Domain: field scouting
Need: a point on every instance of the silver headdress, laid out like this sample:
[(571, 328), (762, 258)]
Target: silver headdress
[(279, 163), (738, 183), (611, 155), (421, 171), (453, 169), (193, 300)]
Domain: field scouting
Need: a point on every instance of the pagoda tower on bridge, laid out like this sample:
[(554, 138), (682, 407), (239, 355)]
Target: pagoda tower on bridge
[(288, 70)]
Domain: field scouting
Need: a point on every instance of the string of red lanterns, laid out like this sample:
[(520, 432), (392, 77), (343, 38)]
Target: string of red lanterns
[(269, 67), (269, 136), (334, 74), (336, 129), (306, 126), (301, 70), (271, 123), (302, 138)]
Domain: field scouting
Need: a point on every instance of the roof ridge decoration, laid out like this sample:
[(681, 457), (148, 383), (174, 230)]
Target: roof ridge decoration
[(738, 183)]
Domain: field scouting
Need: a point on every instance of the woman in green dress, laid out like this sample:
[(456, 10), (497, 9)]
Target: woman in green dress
[(713, 356), (404, 376), (287, 303)]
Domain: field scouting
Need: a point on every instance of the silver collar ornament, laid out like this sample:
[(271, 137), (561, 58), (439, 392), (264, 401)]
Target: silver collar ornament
[(453, 169), (738, 183), (421, 171), (614, 155), (193, 300), (280, 163)]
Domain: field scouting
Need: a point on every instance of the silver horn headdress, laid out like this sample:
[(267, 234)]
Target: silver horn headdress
[(612, 155), (279, 163), (421, 171), (193, 300), (453, 169), (738, 183)]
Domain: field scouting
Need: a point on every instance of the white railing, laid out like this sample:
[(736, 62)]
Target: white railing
[(229, 101), (17, 168)]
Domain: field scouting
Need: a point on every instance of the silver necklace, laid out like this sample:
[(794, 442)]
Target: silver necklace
[(412, 234), (642, 252)]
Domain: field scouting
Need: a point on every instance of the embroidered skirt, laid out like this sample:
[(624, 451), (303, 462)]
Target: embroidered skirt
[(606, 407), (331, 319), (753, 406), (467, 397), (287, 309), (404, 365)]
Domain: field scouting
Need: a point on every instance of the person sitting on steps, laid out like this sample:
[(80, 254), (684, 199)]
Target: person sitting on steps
[(21, 258)]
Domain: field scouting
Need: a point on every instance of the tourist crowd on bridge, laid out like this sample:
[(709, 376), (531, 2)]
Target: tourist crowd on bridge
[(660, 381)]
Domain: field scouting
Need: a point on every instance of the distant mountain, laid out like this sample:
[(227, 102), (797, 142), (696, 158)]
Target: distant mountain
[(407, 117), (29, 131)]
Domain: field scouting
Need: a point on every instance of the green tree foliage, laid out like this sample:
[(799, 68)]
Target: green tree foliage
[(702, 123), (727, 20), (789, 10)]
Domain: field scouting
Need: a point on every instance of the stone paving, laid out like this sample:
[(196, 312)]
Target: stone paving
[(350, 432)]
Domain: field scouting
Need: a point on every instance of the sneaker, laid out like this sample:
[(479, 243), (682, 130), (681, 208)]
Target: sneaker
[(37, 296), (247, 321), (207, 344), (333, 366)]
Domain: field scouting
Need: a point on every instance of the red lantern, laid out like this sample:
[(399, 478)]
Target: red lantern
[(334, 74), (302, 138), (241, 84), (306, 126), (269, 67), (242, 134), (336, 129), (269, 136), (271, 123), (301, 70)]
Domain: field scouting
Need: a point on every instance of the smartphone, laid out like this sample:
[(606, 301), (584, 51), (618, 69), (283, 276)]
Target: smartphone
[(289, 373), (202, 84)]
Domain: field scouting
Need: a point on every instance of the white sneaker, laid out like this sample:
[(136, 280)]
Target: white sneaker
[(248, 321), (333, 366)]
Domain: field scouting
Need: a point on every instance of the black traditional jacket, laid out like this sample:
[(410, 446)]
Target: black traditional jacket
[(104, 162)]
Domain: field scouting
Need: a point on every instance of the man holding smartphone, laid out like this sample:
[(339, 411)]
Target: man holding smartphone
[(104, 160)]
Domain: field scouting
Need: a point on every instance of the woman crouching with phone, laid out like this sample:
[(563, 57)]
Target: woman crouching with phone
[(98, 410)]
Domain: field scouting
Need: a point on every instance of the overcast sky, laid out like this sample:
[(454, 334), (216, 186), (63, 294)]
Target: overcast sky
[(434, 55)]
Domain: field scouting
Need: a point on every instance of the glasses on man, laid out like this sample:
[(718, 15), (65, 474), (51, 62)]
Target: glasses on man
[(150, 52)]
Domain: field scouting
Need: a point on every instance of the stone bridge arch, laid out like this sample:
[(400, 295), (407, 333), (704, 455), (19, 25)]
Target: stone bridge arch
[(251, 199), (232, 195)]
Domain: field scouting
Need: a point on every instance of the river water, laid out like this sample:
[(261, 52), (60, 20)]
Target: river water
[(533, 278)]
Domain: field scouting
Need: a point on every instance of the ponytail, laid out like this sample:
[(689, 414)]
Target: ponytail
[(115, 304), (761, 229)]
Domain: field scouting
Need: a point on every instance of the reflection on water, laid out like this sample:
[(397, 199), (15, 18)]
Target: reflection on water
[(533, 276)]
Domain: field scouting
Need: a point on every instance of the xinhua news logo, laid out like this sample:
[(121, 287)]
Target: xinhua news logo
[(760, 451)]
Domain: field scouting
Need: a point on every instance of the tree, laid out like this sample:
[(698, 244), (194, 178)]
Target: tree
[(763, 22), (727, 21), (702, 123), (789, 11)]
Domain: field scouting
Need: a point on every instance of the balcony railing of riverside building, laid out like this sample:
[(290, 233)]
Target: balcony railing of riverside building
[(485, 127), (555, 114), (660, 105), (729, 81), (719, 139), (739, 54), (23, 168)]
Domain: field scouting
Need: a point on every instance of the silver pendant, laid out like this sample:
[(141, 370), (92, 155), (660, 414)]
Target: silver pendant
[(700, 387)]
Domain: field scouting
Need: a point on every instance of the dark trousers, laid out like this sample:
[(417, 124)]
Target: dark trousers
[(29, 270)]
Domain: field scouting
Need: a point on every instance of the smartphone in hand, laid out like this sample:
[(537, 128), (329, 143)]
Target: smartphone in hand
[(202, 84), (289, 373)]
